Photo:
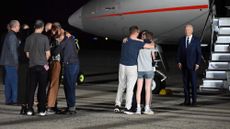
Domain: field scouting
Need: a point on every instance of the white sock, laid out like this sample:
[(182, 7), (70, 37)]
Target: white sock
[(138, 106), (147, 107)]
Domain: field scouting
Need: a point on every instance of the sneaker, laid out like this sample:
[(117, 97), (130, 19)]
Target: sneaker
[(138, 111), (30, 113), (50, 111), (148, 112), (117, 109), (128, 111), (42, 113)]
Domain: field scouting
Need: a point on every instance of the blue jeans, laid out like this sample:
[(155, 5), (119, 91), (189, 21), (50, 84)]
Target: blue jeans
[(11, 84), (70, 77)]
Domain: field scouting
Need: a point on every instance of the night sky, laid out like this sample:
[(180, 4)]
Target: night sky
[(27, 11)]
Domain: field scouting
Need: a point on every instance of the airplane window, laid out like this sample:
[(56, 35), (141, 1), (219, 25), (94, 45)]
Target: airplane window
[(110, 8)]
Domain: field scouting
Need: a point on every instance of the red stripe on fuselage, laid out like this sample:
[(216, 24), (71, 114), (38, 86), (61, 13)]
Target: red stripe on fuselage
[(154, 11)]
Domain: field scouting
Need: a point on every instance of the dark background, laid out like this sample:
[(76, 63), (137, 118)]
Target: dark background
[(52, 10), (27, 11)]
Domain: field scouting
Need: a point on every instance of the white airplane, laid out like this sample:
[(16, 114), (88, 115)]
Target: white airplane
[(165, 18)]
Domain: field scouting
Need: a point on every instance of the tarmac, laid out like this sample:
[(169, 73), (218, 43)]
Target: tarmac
[(95, 103)]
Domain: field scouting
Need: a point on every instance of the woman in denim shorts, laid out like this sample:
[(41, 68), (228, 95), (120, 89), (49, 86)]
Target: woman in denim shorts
[(145, 73)]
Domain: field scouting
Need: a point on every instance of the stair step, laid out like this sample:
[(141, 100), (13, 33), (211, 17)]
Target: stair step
[(216, 74), (222, 48), (221, 56), (223, 39), (209, 89), (224, 31), (219, 66), (224, 22), (208, 83)]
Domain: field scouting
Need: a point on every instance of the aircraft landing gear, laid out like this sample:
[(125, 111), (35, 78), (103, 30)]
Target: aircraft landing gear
[(158, 82)]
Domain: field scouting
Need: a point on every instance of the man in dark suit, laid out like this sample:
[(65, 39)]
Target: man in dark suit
[(188, 59)]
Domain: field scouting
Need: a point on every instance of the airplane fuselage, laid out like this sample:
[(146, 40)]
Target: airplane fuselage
[(165, 18)]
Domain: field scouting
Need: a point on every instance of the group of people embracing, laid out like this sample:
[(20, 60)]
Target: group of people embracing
[(137, 57), (136, 67), (34, 61)]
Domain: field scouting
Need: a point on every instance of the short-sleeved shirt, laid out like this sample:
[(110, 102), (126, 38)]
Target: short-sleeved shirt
[(37, 44), (130, 51)]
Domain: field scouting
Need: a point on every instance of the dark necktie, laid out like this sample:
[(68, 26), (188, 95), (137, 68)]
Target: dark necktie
[(187, 42)]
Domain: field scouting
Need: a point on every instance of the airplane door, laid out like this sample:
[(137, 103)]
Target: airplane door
[(113, 7), (109, 23)]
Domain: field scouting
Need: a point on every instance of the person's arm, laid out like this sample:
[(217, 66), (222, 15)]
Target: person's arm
[(47, 48), (153, 55), (149, 45), (26, 48), (138, 39), (27, 54), (48, 54), (60, 47), (125, 40), (179, 56), (13, 44), (198, 50)]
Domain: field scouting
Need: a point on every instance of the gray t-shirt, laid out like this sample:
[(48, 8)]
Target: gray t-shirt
[(37, 44), (144, 60)]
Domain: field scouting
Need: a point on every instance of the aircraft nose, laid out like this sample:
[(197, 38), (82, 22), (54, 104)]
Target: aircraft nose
[(76, 19)]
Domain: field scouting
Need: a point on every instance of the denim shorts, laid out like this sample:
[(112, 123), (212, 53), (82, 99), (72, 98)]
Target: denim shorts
[(146, 75)]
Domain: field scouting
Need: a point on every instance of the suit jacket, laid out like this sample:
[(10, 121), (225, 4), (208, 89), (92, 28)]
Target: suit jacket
[(191, 55), (9, 55)]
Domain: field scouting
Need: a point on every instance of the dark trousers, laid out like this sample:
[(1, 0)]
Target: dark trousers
[(38, 77), (23, 81), (189, 77), (70, 76)]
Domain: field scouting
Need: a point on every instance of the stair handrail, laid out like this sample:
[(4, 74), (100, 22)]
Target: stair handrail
[(206, 22)]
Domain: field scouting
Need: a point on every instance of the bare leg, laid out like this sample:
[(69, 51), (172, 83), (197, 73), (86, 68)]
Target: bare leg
[(148, 91), (139, 89)]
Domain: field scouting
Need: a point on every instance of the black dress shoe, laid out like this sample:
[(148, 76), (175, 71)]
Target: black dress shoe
[(185, 104), (23, 110), (194, 104), (8, 103)]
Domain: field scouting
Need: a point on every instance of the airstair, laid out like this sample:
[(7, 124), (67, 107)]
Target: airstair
[(217, 77)]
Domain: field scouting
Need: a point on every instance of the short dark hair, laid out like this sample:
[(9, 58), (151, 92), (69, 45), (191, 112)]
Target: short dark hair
[(38, 24), (133, 29), (149, 35)]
